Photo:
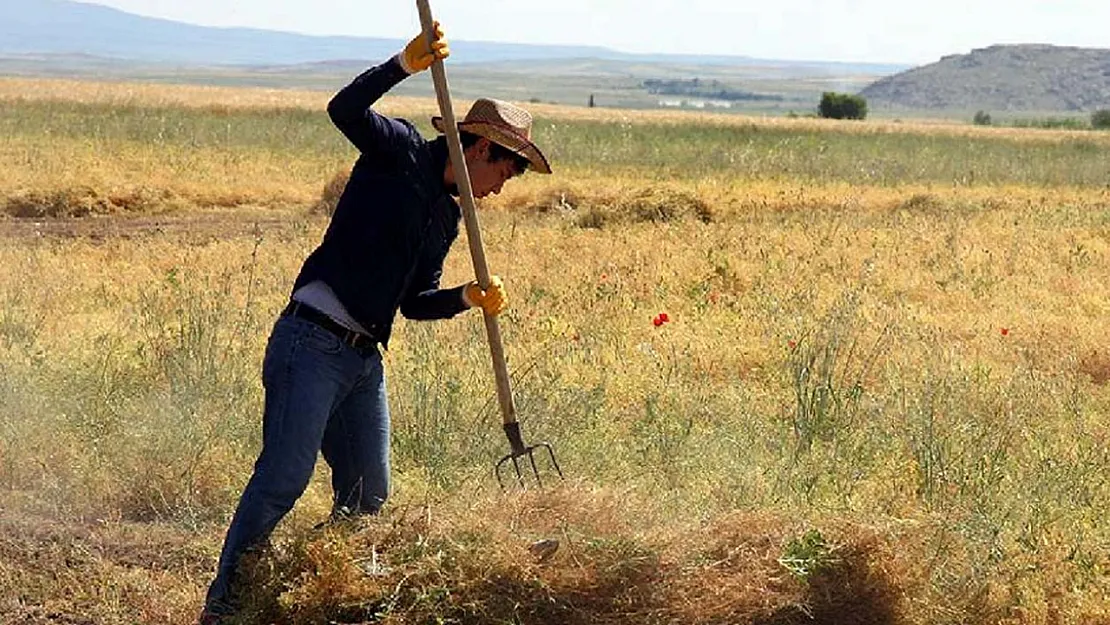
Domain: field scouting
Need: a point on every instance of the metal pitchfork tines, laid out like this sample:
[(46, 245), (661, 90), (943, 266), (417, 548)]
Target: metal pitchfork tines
[(478, 255), (520, 450)]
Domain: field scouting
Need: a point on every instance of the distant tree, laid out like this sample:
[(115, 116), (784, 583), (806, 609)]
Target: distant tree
[(842, 106), (1101, 119), (591, 102), (982, 118), (1052, 123)]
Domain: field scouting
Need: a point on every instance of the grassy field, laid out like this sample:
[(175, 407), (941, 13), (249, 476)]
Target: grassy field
[(881, 396), (781, 87)]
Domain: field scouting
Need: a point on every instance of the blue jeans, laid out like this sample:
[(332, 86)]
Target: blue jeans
[(321, 395)]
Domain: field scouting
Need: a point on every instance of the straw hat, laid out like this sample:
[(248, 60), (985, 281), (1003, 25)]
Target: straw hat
[(505, 124)]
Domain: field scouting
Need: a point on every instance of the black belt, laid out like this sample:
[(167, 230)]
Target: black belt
[(358, 340)]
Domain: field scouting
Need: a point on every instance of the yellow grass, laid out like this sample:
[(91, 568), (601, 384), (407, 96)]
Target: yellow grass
[(201, 178), (154, 94), (956, 464)]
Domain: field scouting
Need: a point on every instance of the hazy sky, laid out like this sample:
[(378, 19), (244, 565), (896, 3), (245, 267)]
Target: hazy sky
[(841, 30)]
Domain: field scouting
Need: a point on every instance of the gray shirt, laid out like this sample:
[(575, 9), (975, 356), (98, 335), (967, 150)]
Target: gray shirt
[(319, 295)]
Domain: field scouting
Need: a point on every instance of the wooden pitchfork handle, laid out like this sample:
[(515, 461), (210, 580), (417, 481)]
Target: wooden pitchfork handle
[(474, 235)]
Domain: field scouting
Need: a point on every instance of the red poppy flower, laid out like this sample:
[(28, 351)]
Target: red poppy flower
[(792, 343), (658, 321), (664, 318), (1005, 331)]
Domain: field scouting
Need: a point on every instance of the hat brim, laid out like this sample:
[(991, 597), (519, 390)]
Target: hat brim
[(506, 138)]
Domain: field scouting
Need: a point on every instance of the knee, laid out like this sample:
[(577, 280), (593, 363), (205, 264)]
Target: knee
[(280, 486)]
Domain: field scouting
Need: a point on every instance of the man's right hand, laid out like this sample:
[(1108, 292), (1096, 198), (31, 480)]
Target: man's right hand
[(492, 300), (416, 56)]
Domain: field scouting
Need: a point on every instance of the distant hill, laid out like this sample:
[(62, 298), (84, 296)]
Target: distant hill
[(63, 28), (66, 27), (1002, 78)]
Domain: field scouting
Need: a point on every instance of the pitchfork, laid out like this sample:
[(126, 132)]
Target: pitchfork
[(518, 449)]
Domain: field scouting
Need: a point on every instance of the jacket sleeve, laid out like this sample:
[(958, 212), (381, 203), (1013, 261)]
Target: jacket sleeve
[(424, 300), (369, 131)]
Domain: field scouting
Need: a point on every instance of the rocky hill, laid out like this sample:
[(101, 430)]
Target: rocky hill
[(1002, 78)]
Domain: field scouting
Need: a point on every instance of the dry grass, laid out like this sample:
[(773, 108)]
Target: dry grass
[(72, 174), (107, 148), (195, 96), (474, 565), (213, 97), (913, 370), (105, 573), (588, 362)]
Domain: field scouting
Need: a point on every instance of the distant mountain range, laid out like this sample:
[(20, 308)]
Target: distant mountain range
[(62, 27), (1003, 78), (68, 38)]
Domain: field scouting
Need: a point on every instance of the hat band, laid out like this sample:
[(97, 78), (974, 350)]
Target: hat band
[(512, 131), (503, 134)]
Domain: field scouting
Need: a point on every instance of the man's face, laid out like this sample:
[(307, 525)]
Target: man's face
[(486, 176)]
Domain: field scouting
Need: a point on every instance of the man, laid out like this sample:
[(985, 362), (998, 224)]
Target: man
[(383, 251)]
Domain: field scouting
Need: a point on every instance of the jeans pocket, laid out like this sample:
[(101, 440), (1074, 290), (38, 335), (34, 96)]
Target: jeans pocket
[(320, 340)]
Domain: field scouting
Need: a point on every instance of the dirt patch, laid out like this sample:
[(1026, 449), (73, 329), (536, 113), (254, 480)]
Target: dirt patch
[(188, 226), (1096, 366)]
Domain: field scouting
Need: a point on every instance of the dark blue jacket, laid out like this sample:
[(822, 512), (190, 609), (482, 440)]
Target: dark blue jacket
[(395, 221)]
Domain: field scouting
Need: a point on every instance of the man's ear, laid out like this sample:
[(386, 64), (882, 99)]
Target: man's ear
[(483, 146), (478, 151)]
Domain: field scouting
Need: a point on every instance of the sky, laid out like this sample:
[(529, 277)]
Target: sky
[(876, 31)]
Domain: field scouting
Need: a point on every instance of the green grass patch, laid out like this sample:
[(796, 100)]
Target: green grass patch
[(654, 150)]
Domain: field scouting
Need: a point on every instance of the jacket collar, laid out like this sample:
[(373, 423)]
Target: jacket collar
[(440, 156)]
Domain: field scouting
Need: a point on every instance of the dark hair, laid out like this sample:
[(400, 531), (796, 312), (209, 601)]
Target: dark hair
[(497, 152)]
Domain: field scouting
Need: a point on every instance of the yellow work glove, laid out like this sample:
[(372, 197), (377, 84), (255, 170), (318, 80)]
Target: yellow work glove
[(492, 300), (416, 56)]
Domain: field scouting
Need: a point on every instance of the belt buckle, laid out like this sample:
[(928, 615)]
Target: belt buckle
[(353, 339)]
